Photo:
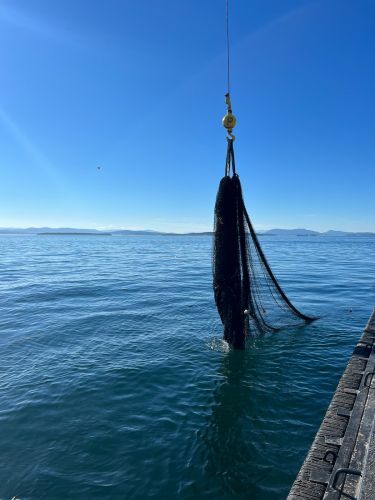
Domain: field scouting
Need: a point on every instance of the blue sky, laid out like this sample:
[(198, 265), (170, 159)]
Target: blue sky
[(138, 89)]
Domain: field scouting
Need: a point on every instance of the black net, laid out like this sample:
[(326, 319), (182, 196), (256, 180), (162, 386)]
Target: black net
[(247, 295)]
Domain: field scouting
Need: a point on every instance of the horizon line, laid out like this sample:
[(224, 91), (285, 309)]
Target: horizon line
[(113, 229)]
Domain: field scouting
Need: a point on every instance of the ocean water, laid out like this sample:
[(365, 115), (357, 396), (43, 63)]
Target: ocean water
[(114, 381)]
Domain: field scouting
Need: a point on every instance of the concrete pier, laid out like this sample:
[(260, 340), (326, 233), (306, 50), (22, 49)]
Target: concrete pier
[(341, 460)]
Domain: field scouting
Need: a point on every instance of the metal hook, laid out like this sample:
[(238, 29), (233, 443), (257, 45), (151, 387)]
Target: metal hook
[(229, 121)]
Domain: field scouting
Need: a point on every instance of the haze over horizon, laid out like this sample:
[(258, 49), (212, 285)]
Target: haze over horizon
[(66, 230), (137, 88)]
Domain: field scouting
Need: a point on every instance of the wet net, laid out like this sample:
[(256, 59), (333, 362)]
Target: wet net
[(248, 297)]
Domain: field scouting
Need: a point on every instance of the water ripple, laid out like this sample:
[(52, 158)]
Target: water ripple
[(115, 381)]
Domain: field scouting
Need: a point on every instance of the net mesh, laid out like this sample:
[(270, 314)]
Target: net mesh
[(248, 297)]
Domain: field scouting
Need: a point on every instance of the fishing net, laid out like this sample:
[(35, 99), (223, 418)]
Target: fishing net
[(248, 297)]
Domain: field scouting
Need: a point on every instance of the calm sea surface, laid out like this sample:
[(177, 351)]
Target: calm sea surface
[(114, 382)]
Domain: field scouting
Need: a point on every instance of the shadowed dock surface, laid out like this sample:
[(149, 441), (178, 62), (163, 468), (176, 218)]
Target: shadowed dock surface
[(341, 460)]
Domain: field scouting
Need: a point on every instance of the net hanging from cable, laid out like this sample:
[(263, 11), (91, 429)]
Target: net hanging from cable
[(248, 296)]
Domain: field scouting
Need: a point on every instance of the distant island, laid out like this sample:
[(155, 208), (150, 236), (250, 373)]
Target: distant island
[(64, 231)]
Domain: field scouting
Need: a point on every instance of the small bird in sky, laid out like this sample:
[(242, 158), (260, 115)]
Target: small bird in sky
[(99, 168)]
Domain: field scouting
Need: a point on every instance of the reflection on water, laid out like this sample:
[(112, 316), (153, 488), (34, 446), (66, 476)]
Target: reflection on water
[(228, 452)]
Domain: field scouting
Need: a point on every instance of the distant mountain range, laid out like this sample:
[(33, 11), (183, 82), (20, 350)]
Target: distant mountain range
[(148, 232), (70, 230), (308, 232)]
